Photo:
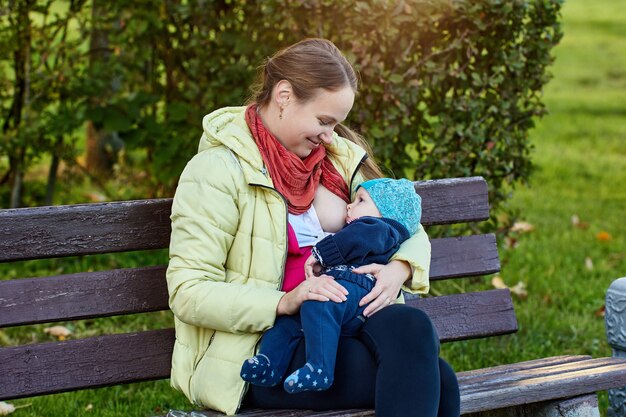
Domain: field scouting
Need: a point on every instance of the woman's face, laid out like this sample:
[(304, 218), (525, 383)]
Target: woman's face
[(306, 125)]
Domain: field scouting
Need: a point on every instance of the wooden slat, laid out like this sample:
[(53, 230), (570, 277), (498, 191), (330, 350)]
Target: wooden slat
[(87, 363), (540, 383), (82, 295), (454, 200), (137, 290), (520, 366), (464, 256), (83, 229), (290, 413), (489, 381), (470, 315)]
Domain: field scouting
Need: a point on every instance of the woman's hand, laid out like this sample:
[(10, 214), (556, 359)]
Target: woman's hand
[(389, 280), (322, 288)]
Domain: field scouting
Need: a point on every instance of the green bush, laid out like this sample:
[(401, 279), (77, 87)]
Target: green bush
[(449, 88)]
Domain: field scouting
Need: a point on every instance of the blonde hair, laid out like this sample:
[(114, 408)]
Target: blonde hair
[(309, 65)]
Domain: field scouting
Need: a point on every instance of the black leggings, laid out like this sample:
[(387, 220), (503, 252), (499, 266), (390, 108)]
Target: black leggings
[(393, 367)]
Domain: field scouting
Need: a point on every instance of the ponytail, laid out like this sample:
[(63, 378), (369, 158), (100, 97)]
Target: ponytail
[(370, 168)]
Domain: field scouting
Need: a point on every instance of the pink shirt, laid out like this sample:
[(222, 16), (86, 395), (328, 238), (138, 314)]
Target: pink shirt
[(296, 256)]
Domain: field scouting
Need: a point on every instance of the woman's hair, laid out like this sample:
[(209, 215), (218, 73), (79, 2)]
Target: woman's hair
[(309, 65)]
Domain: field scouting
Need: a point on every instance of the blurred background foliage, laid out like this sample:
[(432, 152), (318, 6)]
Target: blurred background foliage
[(112, 93)]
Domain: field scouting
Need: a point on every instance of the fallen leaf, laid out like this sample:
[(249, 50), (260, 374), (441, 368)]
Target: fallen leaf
[(588, 263), (600, 312), (95, 197), (510, 242), (519, 290), (6, 408), (603, 236), (60, 332), (498, 283), (522, 227), (577, 223)]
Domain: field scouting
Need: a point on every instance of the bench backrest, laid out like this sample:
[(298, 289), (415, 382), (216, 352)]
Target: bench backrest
[(60, 231)]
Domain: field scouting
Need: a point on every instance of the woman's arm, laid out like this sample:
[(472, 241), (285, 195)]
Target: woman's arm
[(205, 218), (413, 255)]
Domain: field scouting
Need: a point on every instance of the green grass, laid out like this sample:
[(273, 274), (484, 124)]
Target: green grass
[(580, 159)]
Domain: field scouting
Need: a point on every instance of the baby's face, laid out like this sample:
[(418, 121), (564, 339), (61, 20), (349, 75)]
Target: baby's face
[(363, 205)]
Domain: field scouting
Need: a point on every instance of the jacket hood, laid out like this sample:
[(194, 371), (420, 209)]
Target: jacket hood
[(227, 126)]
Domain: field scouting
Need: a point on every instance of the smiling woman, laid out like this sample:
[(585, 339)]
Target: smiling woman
[(270, 180)]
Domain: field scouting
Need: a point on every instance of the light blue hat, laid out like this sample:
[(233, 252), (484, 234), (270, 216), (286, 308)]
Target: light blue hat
[(397, 200)]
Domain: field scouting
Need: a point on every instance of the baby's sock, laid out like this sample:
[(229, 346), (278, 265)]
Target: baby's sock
[(308, 378), (257, 370)]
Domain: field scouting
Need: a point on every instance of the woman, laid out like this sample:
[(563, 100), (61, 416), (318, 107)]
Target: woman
[(265, 177)]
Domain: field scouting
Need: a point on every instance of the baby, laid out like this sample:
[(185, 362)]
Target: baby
[(385, 212)]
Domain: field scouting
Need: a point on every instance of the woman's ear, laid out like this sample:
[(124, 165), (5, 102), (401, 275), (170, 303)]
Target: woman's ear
[(283, 93)]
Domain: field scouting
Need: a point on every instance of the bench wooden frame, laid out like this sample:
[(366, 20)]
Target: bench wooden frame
[(527, 388)]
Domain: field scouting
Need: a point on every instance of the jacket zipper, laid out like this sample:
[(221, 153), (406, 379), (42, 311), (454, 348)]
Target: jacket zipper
[(282, 275), (355, 171)]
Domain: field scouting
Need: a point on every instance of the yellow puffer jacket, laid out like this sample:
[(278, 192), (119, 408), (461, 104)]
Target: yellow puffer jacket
[(227, 255)]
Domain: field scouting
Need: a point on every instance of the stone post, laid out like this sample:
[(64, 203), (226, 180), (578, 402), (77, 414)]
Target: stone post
[(615, 317)]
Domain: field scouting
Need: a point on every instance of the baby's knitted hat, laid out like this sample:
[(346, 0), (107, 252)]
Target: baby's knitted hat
[(397, 200)]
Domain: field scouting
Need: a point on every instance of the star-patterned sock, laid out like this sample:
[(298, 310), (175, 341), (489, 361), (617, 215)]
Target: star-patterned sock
[(308, 378), (257, 370)]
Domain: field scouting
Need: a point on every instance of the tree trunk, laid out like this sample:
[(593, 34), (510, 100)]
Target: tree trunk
[(20, 103), (53, 172), (99, 162)]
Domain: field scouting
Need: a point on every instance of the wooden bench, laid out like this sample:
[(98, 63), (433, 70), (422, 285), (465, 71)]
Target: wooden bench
[(546, 387)]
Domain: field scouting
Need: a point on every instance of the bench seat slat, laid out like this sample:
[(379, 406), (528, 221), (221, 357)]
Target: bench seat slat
[(84, 229), (504, 369), (291, 413), (542, 384), (137, 290), (491, 381)]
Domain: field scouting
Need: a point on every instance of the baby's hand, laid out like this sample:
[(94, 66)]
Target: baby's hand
[(312, 267)]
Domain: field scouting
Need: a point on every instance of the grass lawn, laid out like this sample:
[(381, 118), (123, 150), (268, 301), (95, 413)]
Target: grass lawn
[(580, 159)]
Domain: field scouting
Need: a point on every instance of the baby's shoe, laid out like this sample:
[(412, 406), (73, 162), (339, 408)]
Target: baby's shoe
[(257, 370), (307, 378)]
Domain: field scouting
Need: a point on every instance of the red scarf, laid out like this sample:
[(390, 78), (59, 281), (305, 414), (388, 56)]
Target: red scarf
[(296, 179)]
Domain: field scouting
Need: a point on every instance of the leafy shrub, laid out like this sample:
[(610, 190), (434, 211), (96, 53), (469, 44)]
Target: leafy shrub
[(449, 88)]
